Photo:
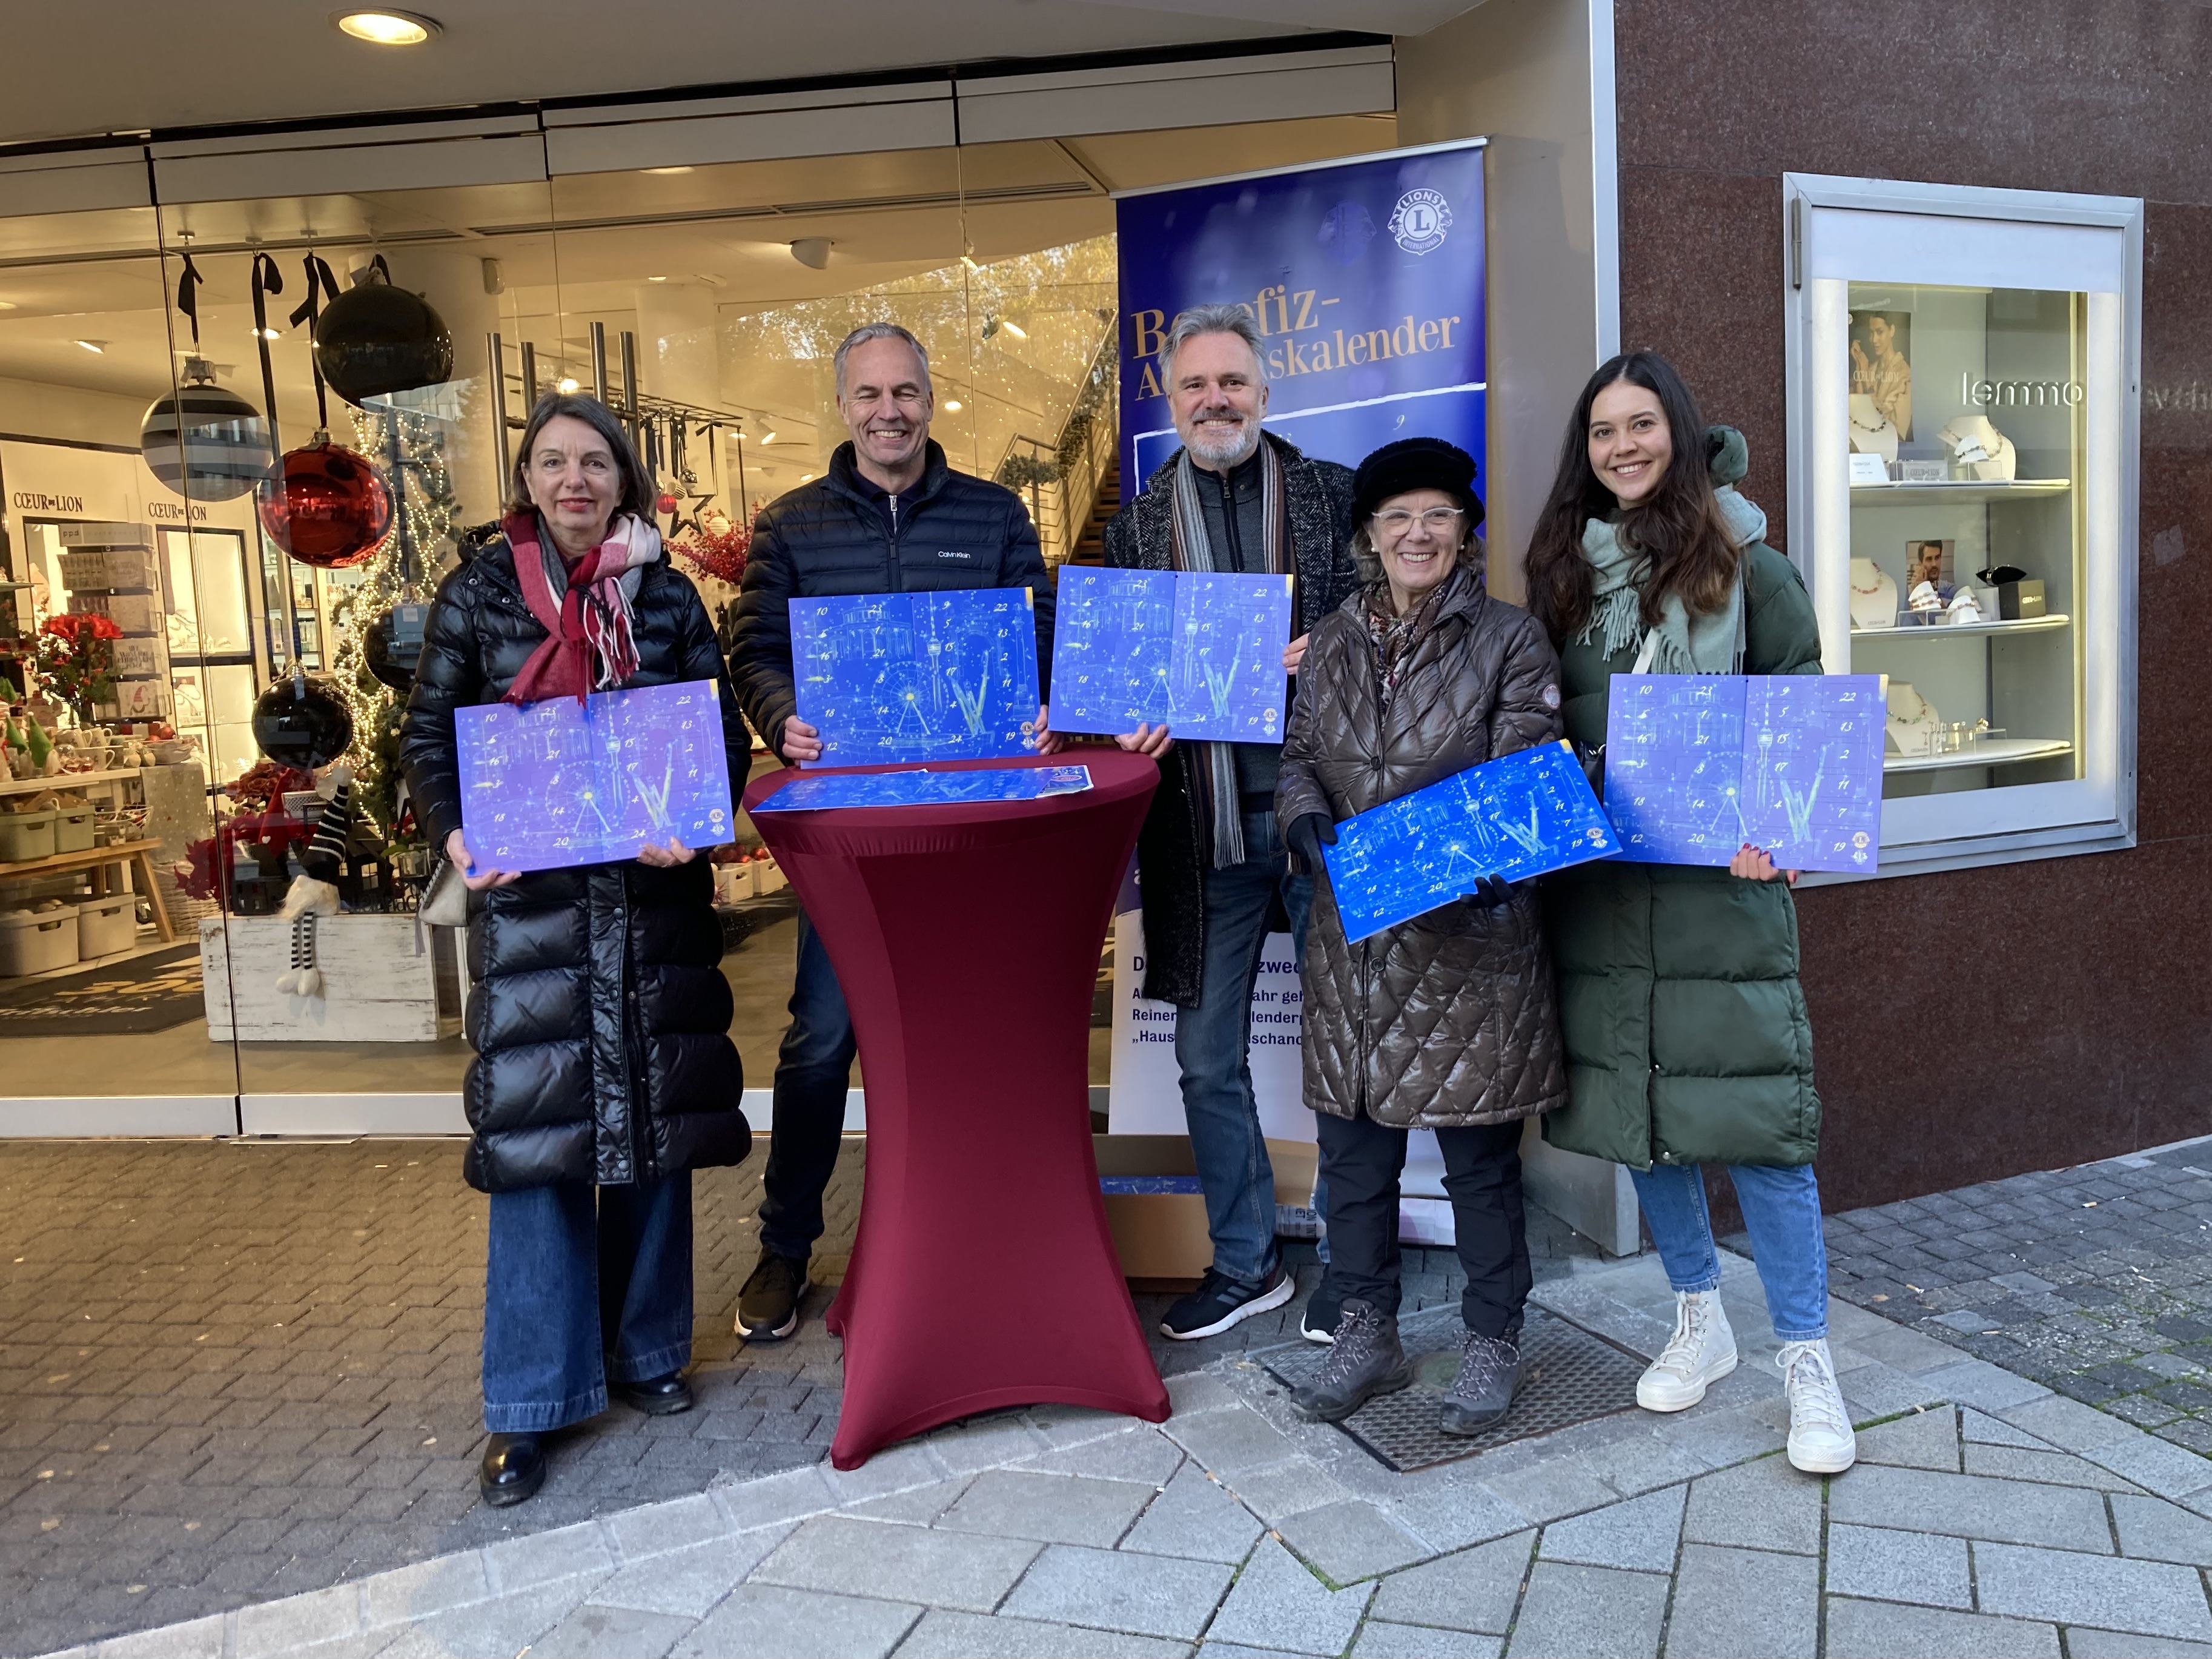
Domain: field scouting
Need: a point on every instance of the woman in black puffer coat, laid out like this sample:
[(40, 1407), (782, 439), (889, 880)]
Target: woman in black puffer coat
[(604, 1069)]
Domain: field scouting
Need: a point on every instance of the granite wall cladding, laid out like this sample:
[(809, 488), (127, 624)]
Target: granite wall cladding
[(1976, 1023)]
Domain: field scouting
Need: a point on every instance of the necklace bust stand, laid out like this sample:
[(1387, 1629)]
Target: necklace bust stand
[(1874, 596), (1913, 726), (1872, 433), (1977, 446)]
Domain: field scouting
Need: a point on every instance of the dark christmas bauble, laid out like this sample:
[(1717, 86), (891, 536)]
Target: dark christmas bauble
[(301, 722), (375, 339), (326, 506), (203, 441), (393, 644)]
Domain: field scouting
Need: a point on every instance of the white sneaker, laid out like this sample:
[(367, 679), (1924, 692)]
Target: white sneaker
[(1821, 1438), (1701, 1351)]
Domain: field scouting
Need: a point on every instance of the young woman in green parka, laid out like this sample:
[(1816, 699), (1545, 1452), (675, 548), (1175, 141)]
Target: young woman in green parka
[(1686, 1036)]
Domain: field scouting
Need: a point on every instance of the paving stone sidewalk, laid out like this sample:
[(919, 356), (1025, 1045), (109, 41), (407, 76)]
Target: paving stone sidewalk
[(2095, 1280), (1987, 1517), (229, 1373)]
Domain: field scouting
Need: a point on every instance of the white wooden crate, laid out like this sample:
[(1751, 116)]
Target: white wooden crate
[(379, 980)]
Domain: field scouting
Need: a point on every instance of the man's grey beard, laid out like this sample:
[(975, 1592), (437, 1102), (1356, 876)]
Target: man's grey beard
[(1223, 457)]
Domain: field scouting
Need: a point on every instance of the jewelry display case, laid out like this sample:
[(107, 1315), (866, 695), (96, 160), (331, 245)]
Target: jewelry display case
[(1963, 387)]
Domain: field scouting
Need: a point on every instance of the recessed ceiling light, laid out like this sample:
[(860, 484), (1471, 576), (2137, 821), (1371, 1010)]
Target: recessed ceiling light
[(267, 334), (952, 406), (806, 476), (665, 172), (768, 437), (97, 347), (385, 28), (656, 279), (565, 386), (7, 304), (1012, 328)]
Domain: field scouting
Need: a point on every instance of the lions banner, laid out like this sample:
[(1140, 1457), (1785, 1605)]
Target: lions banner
[(1365, 276)]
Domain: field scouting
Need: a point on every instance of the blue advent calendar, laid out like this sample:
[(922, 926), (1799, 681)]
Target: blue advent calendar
[(918, 677), (1697, 765), (551, 784), (992, 783), (1197, 651), (1515, 817)]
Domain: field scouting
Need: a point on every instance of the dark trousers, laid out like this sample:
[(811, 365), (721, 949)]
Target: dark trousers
[(813, 1071), (1360, 1163), (582, 1284)]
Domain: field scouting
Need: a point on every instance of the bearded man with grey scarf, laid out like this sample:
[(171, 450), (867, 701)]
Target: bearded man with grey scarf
[(1213, 868)]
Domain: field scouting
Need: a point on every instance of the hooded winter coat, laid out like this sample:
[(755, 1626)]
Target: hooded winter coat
[(1447, 1020), (1687, 1038), (1172, 848), (598, 1016)]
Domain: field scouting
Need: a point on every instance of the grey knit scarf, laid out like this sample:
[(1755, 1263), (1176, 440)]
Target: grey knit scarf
[(1681, 644), (1214, 765)]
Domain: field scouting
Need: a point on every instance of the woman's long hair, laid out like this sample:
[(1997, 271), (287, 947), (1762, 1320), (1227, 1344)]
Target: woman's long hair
[(638, 495), (1679, 539)]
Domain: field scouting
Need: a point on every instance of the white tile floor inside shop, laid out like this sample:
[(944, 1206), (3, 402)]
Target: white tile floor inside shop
[(1987, 1515)]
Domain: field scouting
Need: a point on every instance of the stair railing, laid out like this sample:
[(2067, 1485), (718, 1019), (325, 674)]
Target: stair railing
[(1060, 480)]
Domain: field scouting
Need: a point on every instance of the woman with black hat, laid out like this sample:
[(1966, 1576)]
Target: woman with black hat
[(1447, 1022)]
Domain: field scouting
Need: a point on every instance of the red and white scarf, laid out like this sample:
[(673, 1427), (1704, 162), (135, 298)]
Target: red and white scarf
[(584, 608)]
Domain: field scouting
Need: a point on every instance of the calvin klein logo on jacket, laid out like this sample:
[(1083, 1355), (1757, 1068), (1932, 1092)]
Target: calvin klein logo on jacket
[(953, 553)]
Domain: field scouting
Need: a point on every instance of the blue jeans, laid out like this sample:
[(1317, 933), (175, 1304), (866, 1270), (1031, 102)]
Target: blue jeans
[(1782, 1211), (1212, 1043), (582, 1284), (813, 1069)]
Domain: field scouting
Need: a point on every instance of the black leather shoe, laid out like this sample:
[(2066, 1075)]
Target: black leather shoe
[(658, 1396), (513, 1469)]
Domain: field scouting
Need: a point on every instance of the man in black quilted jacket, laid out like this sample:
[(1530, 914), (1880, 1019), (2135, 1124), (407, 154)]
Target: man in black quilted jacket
[(888, 516)]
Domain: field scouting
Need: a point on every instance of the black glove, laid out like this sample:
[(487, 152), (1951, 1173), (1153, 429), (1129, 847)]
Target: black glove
[(1489, 893), (1308, 835)]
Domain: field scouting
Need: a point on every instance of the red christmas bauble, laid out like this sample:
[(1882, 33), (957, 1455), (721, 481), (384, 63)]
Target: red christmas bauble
[(326, 506), (667, 503)]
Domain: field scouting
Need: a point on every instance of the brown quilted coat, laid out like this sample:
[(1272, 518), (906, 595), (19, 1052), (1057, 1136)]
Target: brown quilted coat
[(1451, 1018)]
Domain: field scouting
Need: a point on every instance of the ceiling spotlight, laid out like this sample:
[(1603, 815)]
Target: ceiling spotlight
[(812, 252), (952, 406), (7, 304), (97, 347), (1014, 328), (386, 28), (656, 279), (267, 334), (768, 437), (565, 386), (665, 171), (805, 477)]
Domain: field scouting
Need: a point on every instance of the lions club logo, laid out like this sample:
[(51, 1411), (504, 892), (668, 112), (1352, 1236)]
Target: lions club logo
[(1420, 220)]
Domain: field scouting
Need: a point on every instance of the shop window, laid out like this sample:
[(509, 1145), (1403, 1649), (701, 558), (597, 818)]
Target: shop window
[(1962, 375)]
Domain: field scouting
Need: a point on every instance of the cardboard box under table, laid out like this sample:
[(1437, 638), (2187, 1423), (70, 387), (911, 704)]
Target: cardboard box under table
[(1158, 1214)]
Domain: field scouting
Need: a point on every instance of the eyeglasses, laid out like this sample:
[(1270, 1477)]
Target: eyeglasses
[(1397, 521)]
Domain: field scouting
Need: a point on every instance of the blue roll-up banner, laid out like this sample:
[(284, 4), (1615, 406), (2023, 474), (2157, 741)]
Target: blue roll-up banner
[(1364, 276)]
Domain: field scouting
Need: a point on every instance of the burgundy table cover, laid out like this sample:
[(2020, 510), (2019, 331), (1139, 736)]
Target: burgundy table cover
[(966, 938)]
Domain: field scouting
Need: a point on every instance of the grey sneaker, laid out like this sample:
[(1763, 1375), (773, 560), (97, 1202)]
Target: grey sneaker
[(1364, 1361), (1490, 1374)]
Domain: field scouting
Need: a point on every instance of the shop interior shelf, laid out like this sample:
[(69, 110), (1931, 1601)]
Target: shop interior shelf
[(1995, 751), (2019, 489), (65, 781), (1963, 630)]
